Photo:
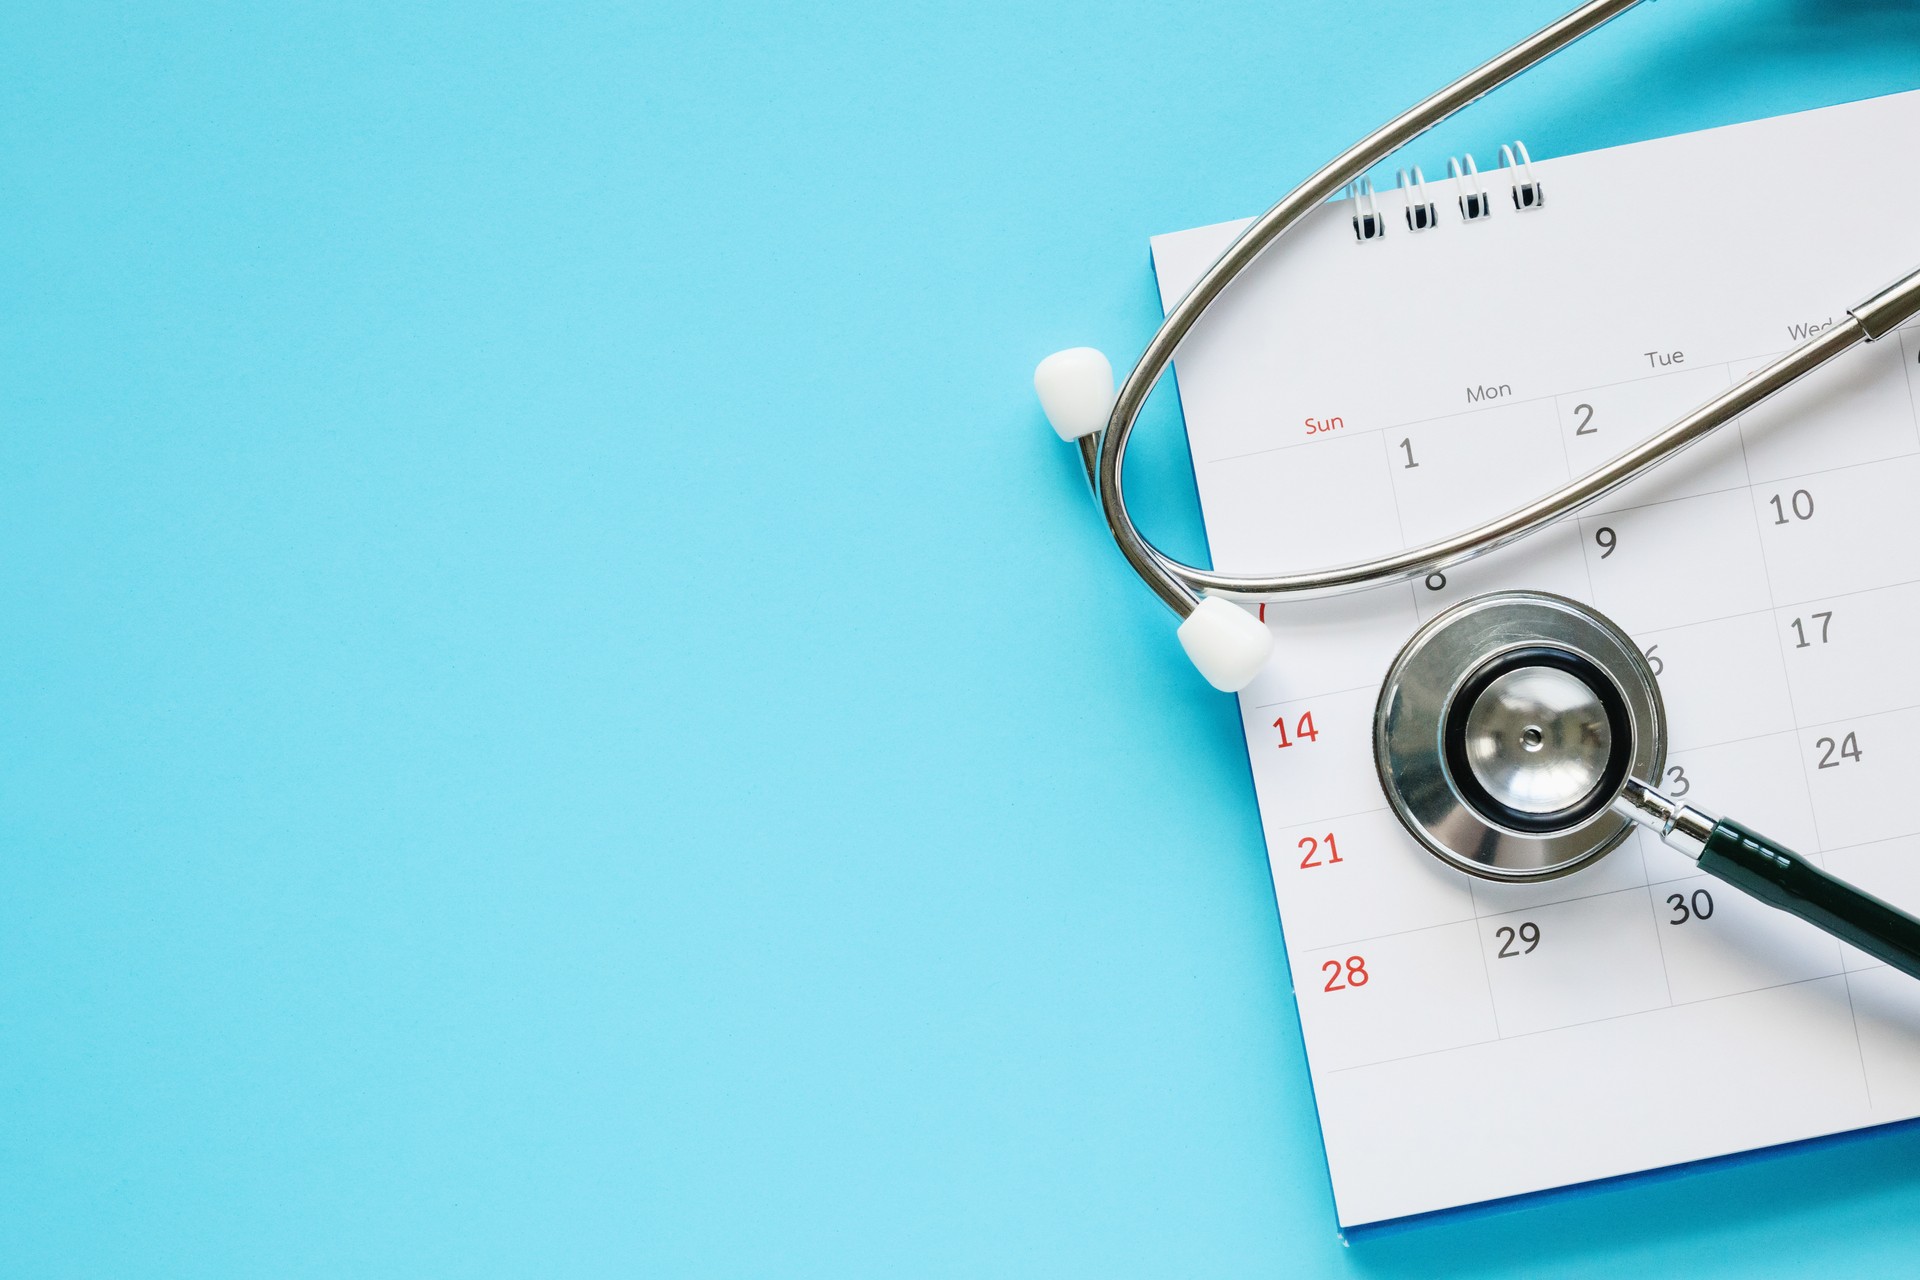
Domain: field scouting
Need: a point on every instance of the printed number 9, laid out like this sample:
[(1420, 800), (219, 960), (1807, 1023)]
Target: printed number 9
[(1606, 537)]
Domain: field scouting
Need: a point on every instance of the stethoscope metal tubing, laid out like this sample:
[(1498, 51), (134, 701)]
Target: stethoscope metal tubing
[(1181, 586), (1499, 532), (1169, 579)]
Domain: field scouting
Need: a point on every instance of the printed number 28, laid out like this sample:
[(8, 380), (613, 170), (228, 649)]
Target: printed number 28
[(1344, 974)]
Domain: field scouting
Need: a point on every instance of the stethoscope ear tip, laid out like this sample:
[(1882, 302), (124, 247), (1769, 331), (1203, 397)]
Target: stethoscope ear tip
[(1225, 643), (1076, 391)]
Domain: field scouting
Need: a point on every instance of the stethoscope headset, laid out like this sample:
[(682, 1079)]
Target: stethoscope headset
[(1514, 733)]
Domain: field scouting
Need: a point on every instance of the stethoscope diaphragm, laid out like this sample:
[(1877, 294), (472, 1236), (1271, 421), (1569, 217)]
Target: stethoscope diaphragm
[(1506, 729)]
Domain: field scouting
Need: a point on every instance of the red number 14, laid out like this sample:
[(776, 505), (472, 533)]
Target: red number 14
[(1303, 730)]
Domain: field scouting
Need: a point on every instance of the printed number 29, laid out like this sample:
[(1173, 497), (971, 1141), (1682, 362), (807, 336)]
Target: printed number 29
[(1342, 975)]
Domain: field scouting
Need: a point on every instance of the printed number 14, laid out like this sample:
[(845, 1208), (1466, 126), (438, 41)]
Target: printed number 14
[(1303, 730)]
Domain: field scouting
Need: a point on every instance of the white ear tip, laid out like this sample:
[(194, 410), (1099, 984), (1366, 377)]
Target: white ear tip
[(1076, 391), (1227, 644)]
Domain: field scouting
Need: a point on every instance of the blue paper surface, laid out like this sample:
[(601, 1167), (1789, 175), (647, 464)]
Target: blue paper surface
[(561, 711)]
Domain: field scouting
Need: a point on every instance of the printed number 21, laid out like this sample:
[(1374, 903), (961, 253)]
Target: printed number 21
[(1312, 847), (1303, 730)]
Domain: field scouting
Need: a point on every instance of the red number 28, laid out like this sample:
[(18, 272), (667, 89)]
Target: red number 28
[(1353, 973)]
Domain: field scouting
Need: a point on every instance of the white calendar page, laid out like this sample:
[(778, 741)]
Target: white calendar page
[(1351, 399)]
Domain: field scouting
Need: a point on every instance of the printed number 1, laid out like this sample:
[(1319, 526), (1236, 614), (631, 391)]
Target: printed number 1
[(1303, 730)]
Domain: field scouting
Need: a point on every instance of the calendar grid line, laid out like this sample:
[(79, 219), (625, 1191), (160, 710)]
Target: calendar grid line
[(1659, 937), (1410, 423), (1751, 488), (1306, 697), (1566, 457), (1868, 844), (1646, 866), (1793, 711), (1858, 715), (1793, 732), (1338, 817), (1678, 627), (1588, 1022), (1399, 516), (1473, 898), (1486, 970), (1476, 918), (1907, 348)]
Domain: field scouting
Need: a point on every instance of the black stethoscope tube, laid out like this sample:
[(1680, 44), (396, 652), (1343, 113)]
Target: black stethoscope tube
[(1782, 878)]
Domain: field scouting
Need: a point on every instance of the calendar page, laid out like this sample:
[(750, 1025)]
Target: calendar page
[(1472, 1040)]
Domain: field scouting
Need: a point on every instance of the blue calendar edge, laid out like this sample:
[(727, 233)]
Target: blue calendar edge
[(1622, 1181), (1266, 858), (1479, 1209)]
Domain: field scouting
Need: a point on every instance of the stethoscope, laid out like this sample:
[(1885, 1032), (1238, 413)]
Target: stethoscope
[(1514, 733)]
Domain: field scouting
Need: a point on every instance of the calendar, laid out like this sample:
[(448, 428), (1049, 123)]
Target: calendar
[(1472, 1040)]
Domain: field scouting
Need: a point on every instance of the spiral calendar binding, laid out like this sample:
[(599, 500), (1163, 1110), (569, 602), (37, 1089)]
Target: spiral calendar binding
[(1470, 190)]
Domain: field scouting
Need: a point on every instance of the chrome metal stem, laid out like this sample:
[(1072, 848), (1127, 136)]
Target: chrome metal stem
[(1887, 310), (1679, 826), (1090, 461)]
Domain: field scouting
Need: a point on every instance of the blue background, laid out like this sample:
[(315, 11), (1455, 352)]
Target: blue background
[(563, 714)]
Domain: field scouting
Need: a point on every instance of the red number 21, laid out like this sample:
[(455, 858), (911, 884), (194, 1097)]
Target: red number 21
[(1312, 846)]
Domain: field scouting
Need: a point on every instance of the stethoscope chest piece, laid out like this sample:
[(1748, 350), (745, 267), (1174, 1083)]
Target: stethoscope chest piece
[(1506, 728)]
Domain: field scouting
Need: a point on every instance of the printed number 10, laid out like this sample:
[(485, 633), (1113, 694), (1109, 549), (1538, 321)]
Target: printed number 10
[(1303, 730)]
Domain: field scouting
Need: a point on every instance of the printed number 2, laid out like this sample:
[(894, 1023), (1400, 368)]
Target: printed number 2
[(1303, 730), (1312, 847), (1341, 975)]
